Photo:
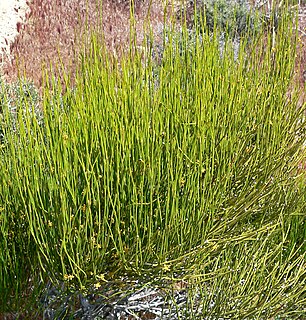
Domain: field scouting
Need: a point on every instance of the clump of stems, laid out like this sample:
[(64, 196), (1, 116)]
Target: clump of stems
[(186, 170)]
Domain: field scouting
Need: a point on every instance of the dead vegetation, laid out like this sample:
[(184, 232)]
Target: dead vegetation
[(57, 26)]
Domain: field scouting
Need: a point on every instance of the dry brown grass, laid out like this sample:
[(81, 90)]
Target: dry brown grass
[(58, 26)]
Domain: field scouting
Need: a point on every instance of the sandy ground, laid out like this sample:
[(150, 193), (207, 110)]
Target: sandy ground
[(12, 15)]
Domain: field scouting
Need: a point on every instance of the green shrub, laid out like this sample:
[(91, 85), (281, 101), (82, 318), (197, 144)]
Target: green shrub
[(194, 178)]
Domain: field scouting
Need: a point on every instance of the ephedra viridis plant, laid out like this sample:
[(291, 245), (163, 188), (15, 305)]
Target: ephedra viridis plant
[(182, 170)]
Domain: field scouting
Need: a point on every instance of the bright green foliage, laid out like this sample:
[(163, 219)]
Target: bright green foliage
[(194, 177)]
